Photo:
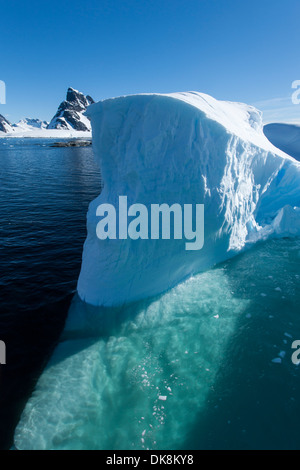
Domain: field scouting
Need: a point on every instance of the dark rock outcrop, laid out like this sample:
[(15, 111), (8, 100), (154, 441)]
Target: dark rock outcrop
[(72, 143), (5, 125)]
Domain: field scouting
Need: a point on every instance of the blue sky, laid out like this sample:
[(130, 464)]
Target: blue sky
[(237, 50)]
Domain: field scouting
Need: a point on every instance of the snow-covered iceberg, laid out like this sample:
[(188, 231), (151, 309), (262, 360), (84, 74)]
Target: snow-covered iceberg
[(284, 136), (133, 377), (185, 148), (139, 375)]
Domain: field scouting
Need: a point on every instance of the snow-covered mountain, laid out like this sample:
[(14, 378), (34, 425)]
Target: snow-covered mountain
[(30, 124), (70, 115), (5, 125), (68, 122), (285, 136)]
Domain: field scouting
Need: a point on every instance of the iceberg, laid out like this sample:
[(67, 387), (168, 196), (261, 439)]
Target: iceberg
[(133, 377), (285, 136), (138, 374), (183, 148)]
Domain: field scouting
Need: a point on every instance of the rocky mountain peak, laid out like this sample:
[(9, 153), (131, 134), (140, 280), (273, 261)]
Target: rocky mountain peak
[(5, 125), (70, 113)]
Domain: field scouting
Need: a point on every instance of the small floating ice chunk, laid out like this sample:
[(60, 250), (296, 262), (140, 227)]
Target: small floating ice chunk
[(278, 289), (263, 294), (282, 354), (287, 335), (162, 397), (216, 316), (276, 360)]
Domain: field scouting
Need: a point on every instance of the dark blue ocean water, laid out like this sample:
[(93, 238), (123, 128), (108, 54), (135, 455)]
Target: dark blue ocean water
[(44, 196), (208, 345)]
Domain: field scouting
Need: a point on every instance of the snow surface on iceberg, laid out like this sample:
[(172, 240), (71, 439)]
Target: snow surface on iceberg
[(185, 148)]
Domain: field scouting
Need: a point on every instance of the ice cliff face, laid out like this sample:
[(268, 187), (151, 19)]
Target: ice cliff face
[(185, 148), (285, 136), (5, 125), (70, 114)]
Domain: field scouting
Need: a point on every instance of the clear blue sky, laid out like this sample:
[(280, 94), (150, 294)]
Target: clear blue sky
[(239, 50)]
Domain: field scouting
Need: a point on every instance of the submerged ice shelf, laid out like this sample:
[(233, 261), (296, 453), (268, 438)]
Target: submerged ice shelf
[(184, 148), (177, 371), (133, 377)]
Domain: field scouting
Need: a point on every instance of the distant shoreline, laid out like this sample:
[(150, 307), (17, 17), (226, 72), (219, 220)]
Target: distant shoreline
[(47, 134)]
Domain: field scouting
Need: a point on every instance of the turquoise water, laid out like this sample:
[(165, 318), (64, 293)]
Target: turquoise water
[(192, 369), (207, 345)]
